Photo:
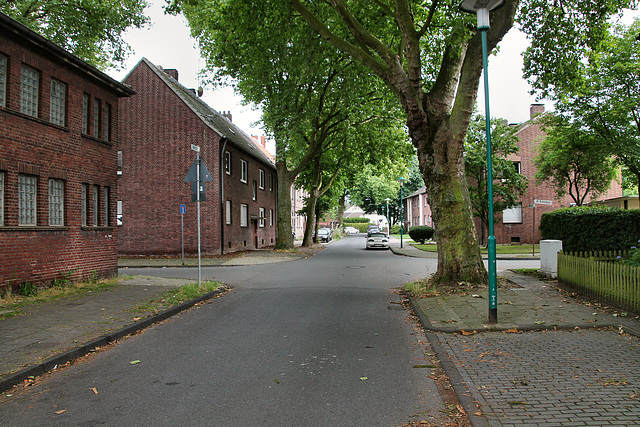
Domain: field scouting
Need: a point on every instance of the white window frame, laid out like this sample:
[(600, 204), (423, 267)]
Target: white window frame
[(1, 198), (228, 213), (119, 212), (95, 199), (261, 182), (27, 199), (58, 103), (512, 215), (227, 162), (261, 217), (270, 182), (119, 172), (106, 130), (244, 215), (3, 80), (29, 90), (254, 191), (56, 202), (84, 207), (244, 171), (270, 217), (86, 103), (97, 109), (105, 208)]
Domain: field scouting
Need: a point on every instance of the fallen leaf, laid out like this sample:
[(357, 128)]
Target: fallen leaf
[(277, 381), (516, 402), (512, 331), (540, 322), (94, 390), (364, 378), (478, 414), (134, 362), (60, 412), (465, 333)]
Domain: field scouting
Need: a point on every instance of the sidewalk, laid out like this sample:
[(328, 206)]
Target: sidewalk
[(551, 360)]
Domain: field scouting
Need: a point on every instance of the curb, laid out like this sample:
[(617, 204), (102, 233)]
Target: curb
[(75, 353)]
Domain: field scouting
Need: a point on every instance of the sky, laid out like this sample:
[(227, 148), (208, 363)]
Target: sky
[(167, 43)]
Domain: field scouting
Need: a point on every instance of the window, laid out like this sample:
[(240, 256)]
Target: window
[(228, 212), (261, 217), (119, 212), (512, 215), (56, 202), (85, 114), (270, 217), (517, 166), (254, 188), (227, 162), (85, 202), (29, 89), (3, 80), (244, 215), (270, 182), (26, 200), (105, 207), (119, 163), (107, 122), (244, 171), (95, 205), (96, 117), (1, 198), (58, 103), (261, 179)]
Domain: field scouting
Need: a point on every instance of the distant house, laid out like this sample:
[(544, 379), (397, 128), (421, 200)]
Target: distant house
[(59, 119), (159, 126), (520, 223)]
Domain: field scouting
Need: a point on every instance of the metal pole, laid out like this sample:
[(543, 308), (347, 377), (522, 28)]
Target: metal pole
[(401, 217), (182, 230), (491, 241), (198, 203)]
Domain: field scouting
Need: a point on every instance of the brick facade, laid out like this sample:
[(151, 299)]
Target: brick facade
[(56, 244), (159, 125)]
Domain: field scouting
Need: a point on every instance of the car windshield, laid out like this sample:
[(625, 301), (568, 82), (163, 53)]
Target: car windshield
[(378, 235), (323, 231)]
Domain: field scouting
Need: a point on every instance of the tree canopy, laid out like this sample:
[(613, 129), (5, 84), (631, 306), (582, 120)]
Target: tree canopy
[(90, 29)]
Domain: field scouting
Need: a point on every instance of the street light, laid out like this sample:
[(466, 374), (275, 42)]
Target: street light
[(388, 223), (401, 180), (482, 8)]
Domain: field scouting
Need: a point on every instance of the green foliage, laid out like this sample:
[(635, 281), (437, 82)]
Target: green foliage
[(573, 159), (420, 233), (90, 29), (634, 257), (63, 280), (356, 220), (27, 289), (395, 229), (592, 228)]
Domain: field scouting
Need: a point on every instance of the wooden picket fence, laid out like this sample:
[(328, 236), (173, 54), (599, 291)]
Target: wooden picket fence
[(595, 275)]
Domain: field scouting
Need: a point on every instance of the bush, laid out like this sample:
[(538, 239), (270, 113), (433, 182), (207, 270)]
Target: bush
[(634, 257), (355, 220), (395, 229), (592, 228), (420, 233)]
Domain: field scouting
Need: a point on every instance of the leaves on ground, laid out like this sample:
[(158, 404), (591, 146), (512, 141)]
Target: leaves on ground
[(134, 362)]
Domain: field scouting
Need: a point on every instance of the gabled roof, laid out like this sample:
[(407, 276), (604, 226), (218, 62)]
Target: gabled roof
[(11, 27), (210, 117), (421, 190)]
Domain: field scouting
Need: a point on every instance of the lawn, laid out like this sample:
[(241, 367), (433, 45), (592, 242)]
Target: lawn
[(500, 249)]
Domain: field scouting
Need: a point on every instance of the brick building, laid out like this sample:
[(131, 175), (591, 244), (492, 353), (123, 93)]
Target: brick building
[(58, 132), (519, 224), (159, 125)]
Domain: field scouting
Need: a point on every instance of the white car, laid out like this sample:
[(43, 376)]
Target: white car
[(377, 240), (351, 230)]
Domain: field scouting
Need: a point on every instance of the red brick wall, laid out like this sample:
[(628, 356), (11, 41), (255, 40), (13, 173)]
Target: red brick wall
[(37, 147), (157, 130)]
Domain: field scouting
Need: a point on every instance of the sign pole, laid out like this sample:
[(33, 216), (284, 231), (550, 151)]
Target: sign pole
[(198, 204), (182, 210), (533, 232)]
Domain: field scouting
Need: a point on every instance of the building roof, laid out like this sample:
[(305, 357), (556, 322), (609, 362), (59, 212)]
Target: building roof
[(421, 190), (210, 117), (37, 42)]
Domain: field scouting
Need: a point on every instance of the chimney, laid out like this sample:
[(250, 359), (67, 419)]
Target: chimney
[(535, 109), (227, 115), (263, 141), (172, 73)]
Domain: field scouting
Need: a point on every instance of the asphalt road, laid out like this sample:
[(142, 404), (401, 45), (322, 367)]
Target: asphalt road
[(317, 342)]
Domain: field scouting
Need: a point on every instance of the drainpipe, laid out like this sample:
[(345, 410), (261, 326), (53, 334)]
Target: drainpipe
[(223, 218)]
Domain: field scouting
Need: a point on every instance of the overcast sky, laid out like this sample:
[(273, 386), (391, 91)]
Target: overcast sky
[(167, 43)]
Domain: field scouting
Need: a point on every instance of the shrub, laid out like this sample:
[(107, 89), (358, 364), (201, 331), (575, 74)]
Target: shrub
[(420, 233), (592, 228), (395, 229), (355, 220), (634, 257), (27, 289)]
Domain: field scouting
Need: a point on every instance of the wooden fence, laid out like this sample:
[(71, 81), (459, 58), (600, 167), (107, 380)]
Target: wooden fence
[(595, 275)]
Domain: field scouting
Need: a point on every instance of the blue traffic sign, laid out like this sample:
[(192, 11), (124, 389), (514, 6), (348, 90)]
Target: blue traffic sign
[(183, 209)]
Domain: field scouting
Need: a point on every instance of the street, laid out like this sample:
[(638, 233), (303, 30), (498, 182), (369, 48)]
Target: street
[(320, 341)]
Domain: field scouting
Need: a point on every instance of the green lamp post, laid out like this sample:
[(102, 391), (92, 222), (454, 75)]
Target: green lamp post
[(388, 223), (482, 8), (401, 180)]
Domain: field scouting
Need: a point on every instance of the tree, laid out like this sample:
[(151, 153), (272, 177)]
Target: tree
[(430, 57), (573, 160), (508, 185), (90, 29)]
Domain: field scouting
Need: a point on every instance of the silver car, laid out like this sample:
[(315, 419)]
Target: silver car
[(377, 240)]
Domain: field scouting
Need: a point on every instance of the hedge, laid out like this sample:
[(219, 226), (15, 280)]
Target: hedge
[(420, 233), (592, 228), (355, 220)]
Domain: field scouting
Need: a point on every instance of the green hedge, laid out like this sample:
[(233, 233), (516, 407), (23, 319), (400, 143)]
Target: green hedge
[(355, 220), (395, 229), (362, 227), (420, 233), (592, 228)]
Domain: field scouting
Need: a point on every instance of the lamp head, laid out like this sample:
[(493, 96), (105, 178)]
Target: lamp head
[(481, 8), (401, 180)]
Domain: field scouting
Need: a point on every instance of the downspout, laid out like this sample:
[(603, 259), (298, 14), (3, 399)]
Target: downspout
[(223, 217)]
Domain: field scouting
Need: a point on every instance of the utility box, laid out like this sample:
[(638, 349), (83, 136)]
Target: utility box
[(549, 257)]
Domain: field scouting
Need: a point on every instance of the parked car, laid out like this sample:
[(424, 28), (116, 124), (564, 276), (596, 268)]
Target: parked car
[(377, 240), (372, 228), (324, 235), (351, 230)]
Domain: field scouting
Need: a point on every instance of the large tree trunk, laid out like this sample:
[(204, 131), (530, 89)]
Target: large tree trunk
[(284, 233), (311, 217), (341, 204)]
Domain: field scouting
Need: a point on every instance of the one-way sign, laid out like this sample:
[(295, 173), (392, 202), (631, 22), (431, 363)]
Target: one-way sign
[(192, 177)]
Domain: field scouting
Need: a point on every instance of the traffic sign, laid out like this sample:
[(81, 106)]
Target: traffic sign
[(183, 209), (542, 202)]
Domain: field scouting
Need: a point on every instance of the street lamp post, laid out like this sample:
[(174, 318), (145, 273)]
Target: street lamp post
[(388, 223), (482, 8), (401, 180)]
